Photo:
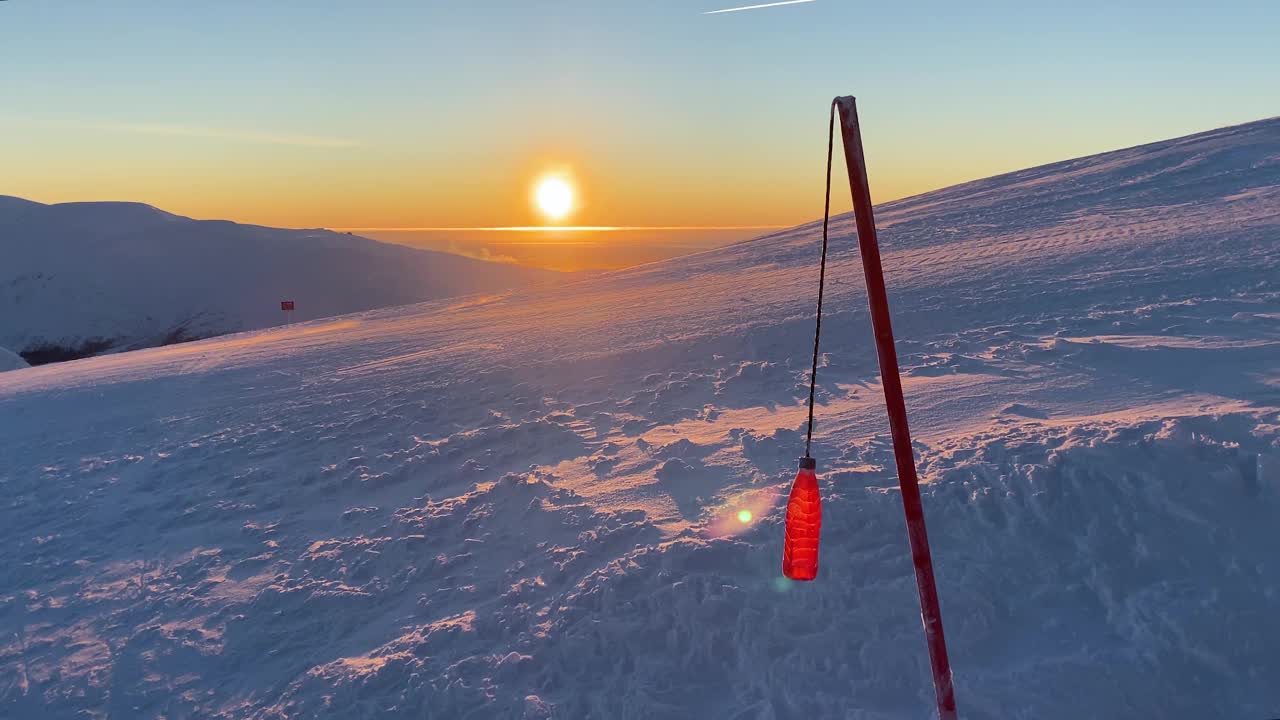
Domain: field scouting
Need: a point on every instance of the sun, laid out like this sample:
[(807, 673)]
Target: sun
[(554, 197)]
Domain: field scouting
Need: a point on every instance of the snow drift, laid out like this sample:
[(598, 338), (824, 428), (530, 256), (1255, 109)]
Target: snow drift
[(526, 504), (79, 279)]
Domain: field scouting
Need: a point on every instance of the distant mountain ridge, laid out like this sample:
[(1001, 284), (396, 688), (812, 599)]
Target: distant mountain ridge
[(83, 278)]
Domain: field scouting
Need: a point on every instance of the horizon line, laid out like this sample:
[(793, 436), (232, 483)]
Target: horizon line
[(561, 228)]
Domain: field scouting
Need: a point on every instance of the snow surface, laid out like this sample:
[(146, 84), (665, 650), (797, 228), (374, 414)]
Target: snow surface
[(525, 504), (95, 276)]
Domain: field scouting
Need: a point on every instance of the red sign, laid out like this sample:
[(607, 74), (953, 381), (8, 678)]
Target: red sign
[(286, 305)]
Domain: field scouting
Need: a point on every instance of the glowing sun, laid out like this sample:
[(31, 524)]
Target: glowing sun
[(554, 197)]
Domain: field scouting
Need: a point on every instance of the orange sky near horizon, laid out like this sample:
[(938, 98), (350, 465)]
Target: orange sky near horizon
[(712, 168), (351, 188)]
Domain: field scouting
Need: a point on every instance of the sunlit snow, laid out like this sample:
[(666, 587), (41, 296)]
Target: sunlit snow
[(531, 504)]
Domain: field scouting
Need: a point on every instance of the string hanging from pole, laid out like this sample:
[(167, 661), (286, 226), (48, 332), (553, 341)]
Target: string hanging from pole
[(822, 279), (804, 505)]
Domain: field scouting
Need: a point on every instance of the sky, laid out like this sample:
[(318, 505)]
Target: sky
[(392, 115)]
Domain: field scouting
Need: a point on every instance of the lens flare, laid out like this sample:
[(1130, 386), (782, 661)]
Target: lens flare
[(742, 512)]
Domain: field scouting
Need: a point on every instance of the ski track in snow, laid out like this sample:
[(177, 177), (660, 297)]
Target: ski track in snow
[(525, 505)]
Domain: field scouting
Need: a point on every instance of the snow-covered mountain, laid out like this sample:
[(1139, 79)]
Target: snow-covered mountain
[(529, 505), (10, 360), (84, 278)]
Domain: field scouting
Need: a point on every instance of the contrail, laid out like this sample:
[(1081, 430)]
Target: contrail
[(757, 7)]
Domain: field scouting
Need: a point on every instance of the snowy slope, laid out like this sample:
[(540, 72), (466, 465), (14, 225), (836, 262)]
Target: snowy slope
[(525, 504), (99, 276), (10, 360)]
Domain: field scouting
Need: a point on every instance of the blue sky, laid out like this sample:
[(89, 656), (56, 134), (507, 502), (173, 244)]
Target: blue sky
[(390, 114)]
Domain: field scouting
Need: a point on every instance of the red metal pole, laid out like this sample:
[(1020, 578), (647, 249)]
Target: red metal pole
[(930, 613)]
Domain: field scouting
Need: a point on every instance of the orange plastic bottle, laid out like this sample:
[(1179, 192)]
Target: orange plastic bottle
[(804, 524)]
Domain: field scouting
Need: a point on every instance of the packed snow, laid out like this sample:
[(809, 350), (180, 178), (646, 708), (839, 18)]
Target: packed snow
[(80, 279), (530, 503)]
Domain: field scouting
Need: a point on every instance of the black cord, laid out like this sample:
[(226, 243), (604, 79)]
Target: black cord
[(822, 278)]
